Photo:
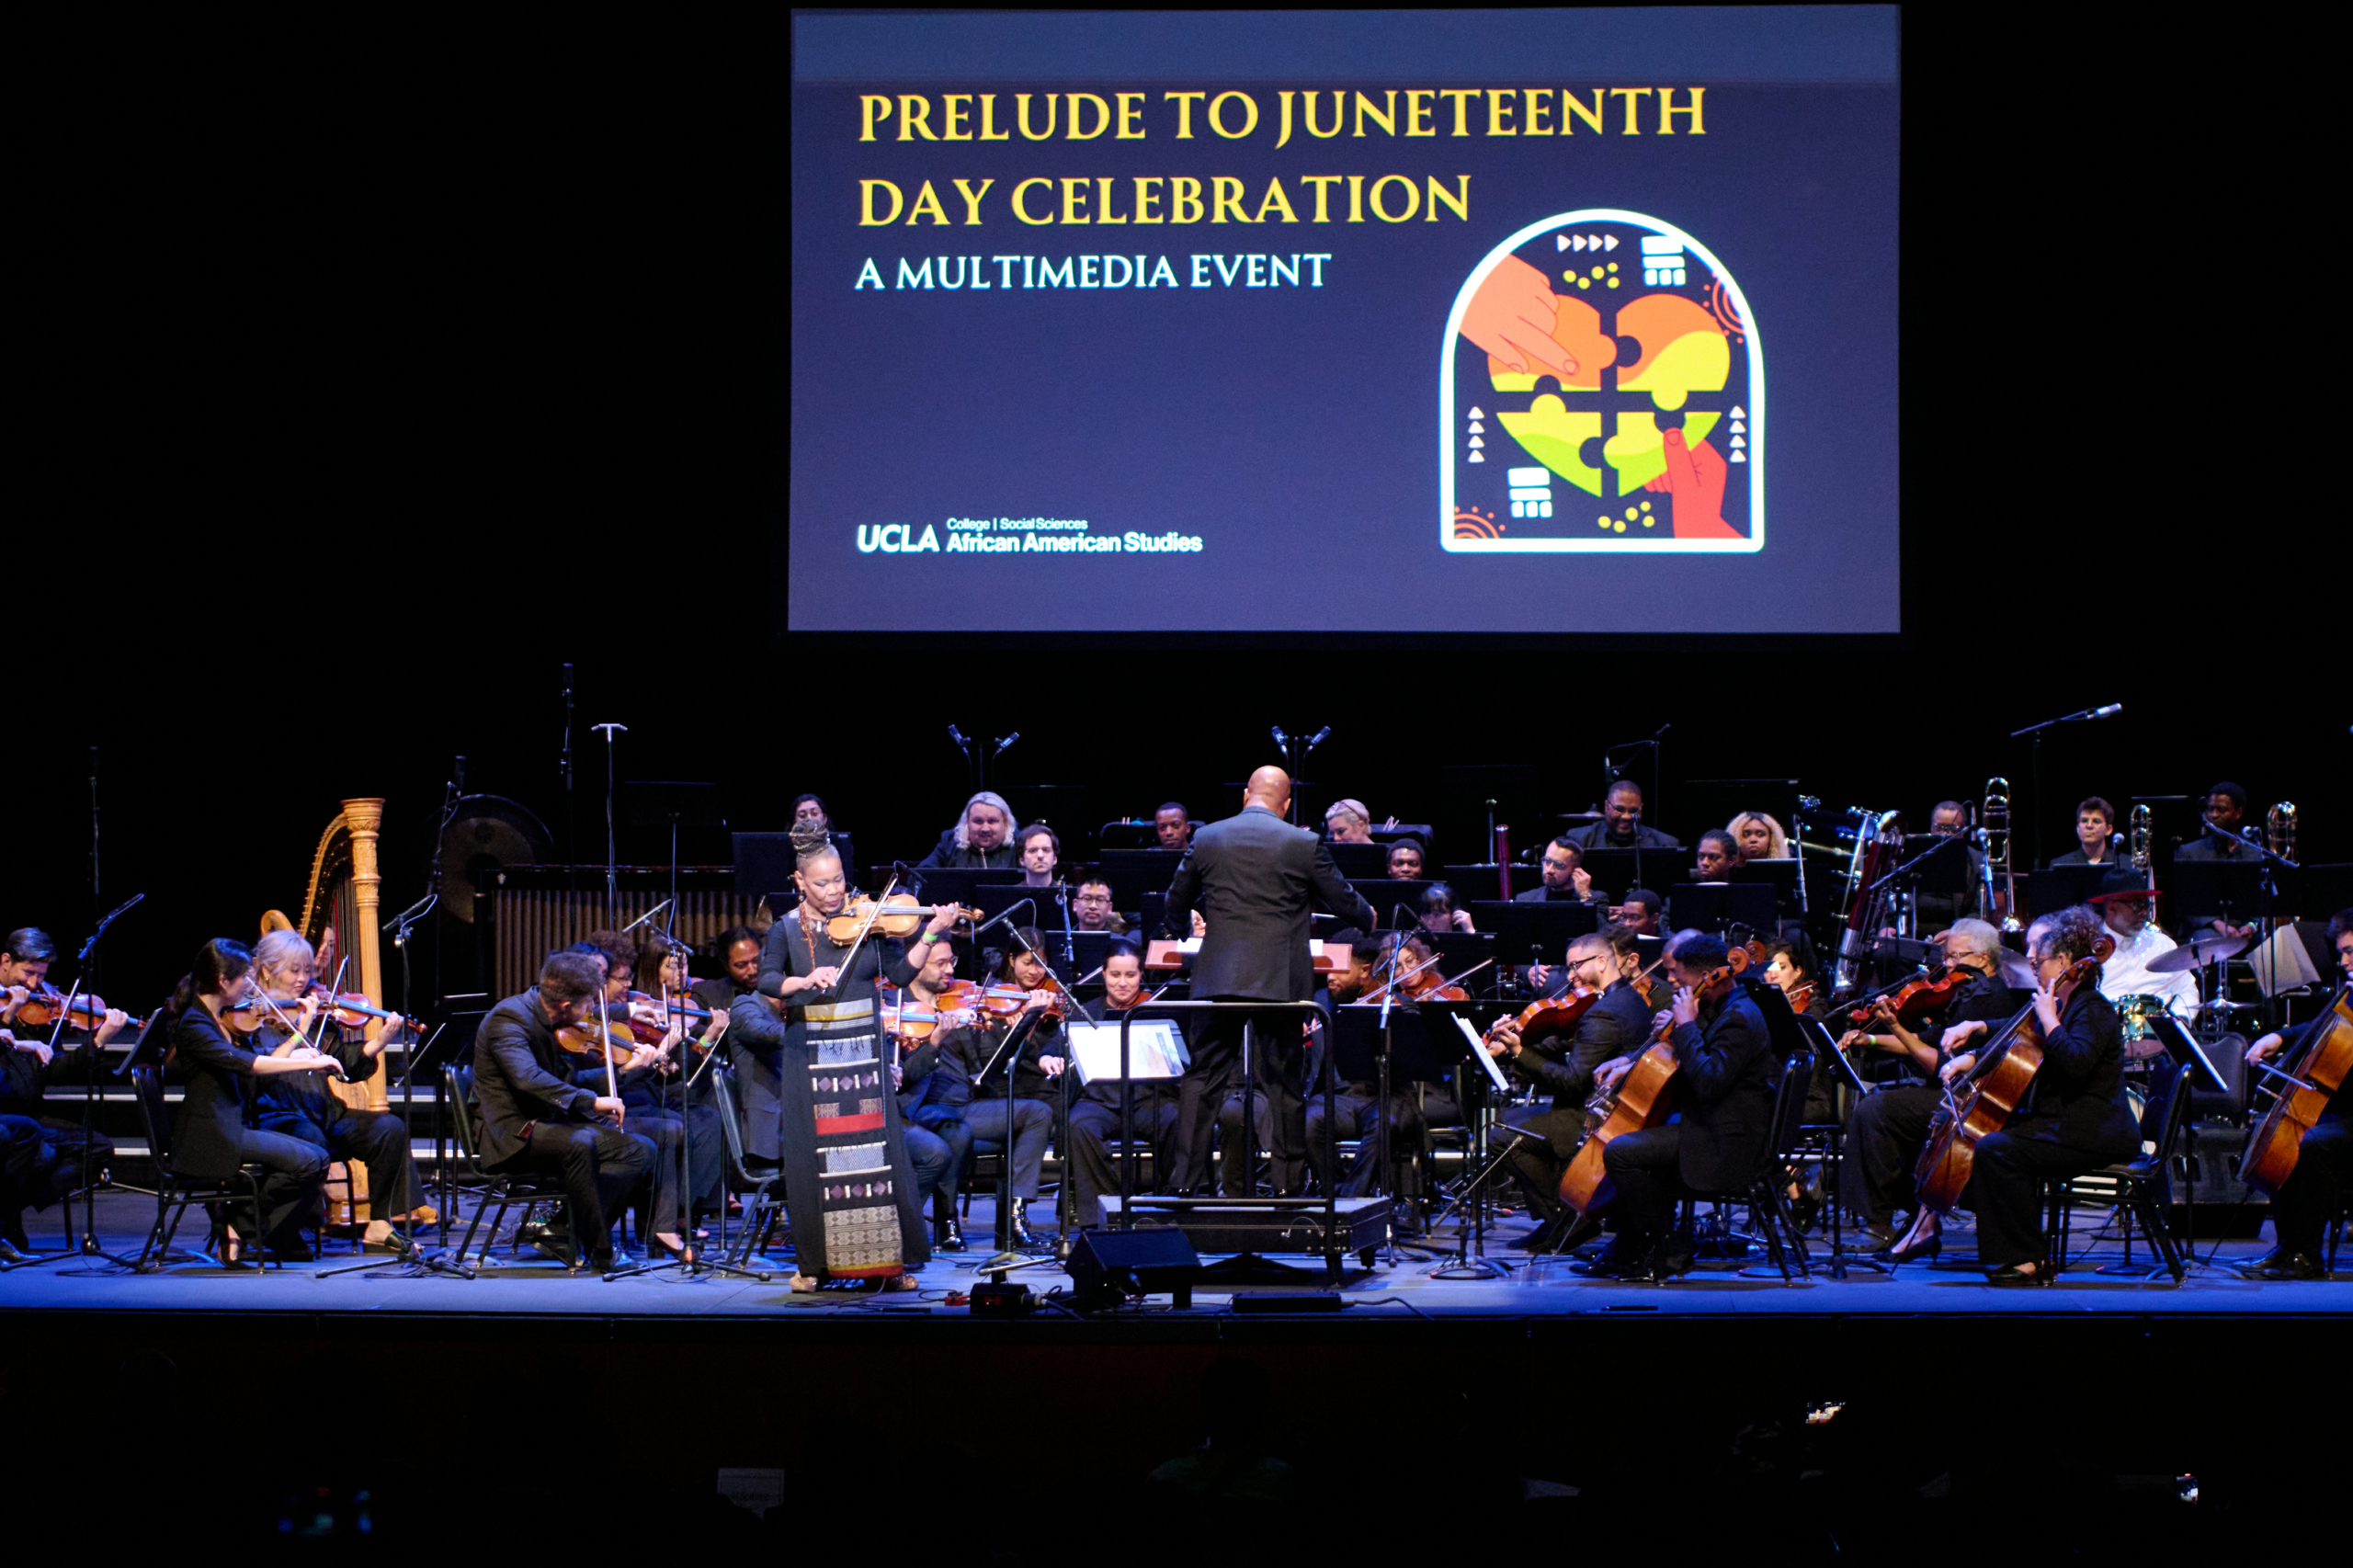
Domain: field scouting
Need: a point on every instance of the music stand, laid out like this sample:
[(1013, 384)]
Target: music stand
[(2055, 888), (1385, 894), (1781, 876), (1711, 906), (408, 1261), (1620, 871), (1524, 878), (1825, 1046), (1360, 860), (1537, 932), (2232, 890), (946, 884)]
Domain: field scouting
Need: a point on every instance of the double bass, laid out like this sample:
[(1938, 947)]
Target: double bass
[(1641, 1099), (1993, 1091), (2277, 1141)]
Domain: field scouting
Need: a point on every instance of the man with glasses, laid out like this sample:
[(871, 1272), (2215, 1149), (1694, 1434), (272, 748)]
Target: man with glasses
[(1565, 879), (1563, 1065), (1090, 908), (1620, 826)]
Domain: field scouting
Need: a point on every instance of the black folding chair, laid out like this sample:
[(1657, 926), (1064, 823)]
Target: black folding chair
[(2139, 1188), (756, 1188), (507, 1191), (1764, 1194), (175, 1192)]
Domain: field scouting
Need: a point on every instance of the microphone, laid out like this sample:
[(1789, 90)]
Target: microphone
[(2111, 711), (1005, 743), (1006, 914), (1319, 737), (957, 736), (1662, 733), (1280, 739), (646, 916)]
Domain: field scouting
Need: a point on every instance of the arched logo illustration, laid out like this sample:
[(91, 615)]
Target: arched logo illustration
[(1601, 388)]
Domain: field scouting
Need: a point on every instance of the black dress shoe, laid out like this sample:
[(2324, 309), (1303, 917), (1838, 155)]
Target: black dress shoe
[(1545, 1237), (1613, 1265), (1017, 1224), (1874, 1238), (947, 1234), (2013, 1275), (2285, 1265)]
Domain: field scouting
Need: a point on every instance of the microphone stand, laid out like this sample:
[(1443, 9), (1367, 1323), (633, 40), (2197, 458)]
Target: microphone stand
[(409, 1260), (84, 962), (2107, 712), (612, 855), (1296, 751)]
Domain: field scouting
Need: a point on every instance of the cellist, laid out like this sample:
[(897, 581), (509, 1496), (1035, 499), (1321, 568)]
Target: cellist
[(1563, 1065), (2074, 1117), (2307, 1201), (1723, 1100)]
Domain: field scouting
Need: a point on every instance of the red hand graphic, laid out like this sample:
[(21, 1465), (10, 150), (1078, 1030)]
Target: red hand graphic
[(1695, 477)]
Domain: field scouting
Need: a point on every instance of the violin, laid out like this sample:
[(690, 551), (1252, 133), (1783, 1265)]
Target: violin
[(1914, 1000), (916, 1022), (1640, 1101), (897, 916), (256, 1012), (1549, 1016), (43, 1002), (351, 1010), (589, 1040), (1800, 997)]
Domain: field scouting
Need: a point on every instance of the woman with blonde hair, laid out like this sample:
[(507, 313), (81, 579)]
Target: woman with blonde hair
[(1759, 836)]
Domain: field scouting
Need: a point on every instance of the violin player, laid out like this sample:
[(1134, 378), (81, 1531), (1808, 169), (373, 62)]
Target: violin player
[(657, 1111), (1012, 1106), (1562, 1064), (935, 1088), (1356, 1111), (58, 1156), (1887, 1128), (302, 1105), (2307, 1202), (535, 1117)]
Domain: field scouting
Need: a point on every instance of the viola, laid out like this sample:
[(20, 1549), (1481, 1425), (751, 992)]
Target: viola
[(1913, 1001), (1640, 1099), (2276, 1142), (2005, 1071), (351, 1010), (589, 1040), (912, 1020), (896, 916), (44, 1002)]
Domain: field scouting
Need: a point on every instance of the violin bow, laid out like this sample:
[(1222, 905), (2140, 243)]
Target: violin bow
[(851, 955)]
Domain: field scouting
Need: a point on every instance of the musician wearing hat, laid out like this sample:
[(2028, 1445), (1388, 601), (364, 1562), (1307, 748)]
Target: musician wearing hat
[(2128, 906), (2309, 1200)]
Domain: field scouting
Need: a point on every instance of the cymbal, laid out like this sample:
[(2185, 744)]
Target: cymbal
[(2198, 951)]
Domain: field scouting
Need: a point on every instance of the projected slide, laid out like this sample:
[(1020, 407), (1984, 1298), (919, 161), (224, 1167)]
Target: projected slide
[(1535, 321)]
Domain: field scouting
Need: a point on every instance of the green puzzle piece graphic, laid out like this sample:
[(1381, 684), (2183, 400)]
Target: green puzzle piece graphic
[(1639, 452)]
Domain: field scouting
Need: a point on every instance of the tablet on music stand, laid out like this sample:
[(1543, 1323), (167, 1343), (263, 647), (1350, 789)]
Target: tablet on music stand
[(1156, 1050)]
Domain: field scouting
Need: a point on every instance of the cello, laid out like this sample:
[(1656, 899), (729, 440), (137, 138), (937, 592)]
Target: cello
[(2277, 1141), (1639, 1100), (1993, 1092)]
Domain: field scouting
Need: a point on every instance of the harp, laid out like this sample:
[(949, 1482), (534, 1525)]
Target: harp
[(339, 920)]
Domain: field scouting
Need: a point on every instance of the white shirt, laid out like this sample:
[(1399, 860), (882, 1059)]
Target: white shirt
[(2127, 971)]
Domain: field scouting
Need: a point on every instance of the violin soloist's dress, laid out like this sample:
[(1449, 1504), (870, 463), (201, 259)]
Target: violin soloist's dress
[(848, 1184)]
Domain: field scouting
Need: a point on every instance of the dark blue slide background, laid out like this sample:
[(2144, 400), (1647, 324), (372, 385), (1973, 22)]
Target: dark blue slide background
[(1294, 430)]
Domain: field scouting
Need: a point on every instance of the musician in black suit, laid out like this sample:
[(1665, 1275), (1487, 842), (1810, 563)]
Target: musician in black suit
[(2307, 1201), (2227, 840), (535, 1117), (1723, 1104), (1620, 826), (212, 1136), (1562, 1064), (1253, 877), (2074, 1117)]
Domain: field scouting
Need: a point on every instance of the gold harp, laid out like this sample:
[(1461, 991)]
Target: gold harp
[(339, 920)]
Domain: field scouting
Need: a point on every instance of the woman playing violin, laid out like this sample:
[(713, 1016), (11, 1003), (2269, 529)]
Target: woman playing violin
[(833, 1106), (1887, 1128), (301, 1106), (211, 1136), (1012, 1103)]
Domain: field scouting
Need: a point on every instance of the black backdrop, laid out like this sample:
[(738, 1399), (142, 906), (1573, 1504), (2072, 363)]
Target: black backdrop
[(377, 373)]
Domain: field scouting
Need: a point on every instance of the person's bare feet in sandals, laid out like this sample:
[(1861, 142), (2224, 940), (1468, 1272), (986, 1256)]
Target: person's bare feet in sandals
[(803, 1285)]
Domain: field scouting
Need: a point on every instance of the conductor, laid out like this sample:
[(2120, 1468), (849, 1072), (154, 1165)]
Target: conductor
[(1253, 877)]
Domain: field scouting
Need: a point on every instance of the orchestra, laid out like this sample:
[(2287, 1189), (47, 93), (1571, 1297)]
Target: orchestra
[(874, 1045)]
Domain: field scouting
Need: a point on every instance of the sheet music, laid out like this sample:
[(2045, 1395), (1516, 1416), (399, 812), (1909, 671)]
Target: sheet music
[(1479, 1054)]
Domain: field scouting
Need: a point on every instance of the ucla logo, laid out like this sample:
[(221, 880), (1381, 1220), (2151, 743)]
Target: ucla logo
[(892, 539)]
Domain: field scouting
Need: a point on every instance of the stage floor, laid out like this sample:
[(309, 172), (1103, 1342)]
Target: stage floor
[(1408, 1288)]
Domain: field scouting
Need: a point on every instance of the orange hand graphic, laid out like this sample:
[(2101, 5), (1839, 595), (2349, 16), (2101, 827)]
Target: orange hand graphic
[(1695, 477), (1512, 317)]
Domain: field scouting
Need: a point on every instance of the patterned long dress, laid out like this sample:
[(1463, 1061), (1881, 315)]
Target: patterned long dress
[(847, 1183)]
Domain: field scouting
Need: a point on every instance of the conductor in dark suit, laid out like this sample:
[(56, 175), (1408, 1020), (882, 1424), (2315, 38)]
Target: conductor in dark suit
[(536, 1117), (1253, 877)]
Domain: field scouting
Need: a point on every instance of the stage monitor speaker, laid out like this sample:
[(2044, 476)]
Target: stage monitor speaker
[(1108, 1266)]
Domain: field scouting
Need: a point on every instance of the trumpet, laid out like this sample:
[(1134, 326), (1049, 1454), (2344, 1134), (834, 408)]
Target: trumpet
[(2279, 830)]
